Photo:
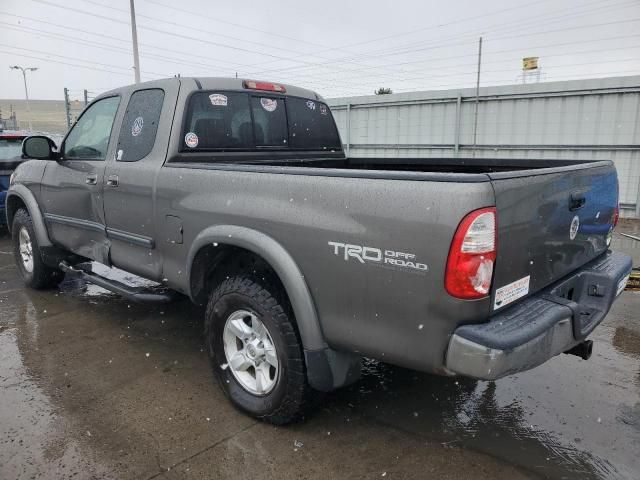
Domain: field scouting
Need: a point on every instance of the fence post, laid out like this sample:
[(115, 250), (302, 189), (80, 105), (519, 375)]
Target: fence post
[(456, 144), (348, 129), (66, 107)]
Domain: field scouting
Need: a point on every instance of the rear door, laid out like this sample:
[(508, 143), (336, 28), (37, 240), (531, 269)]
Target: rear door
[(129, 192), (550, 224), (72, 186)]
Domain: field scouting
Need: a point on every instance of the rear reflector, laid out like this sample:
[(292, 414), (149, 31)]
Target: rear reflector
[(472, 256), (266, 86)]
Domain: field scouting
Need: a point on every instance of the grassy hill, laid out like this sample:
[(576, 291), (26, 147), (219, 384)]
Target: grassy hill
[(46, 115)]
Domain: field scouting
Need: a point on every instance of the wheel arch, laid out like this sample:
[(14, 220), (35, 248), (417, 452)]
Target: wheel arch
[(20, 196), (327, 369), (278, 259)]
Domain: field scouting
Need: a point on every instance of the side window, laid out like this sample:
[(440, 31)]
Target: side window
[(270, 122), (218, 121), (89, 137), (140, 125), (311, 125)]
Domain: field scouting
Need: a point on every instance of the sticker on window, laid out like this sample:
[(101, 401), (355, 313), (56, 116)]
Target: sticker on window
[(119, 155), (218, 100), (511, 292), (191, 139), (269, 104), (323, 109), (311, 105), (136, 128)]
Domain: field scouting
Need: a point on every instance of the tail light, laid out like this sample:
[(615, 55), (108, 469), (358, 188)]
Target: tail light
[(472, 256)]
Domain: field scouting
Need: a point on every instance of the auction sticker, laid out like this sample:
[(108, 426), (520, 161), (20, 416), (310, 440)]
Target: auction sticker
[(511, 292), (269, 104), (218, 100), (191, 139)]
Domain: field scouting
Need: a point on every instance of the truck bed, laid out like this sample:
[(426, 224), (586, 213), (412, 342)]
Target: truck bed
[(426, 165)]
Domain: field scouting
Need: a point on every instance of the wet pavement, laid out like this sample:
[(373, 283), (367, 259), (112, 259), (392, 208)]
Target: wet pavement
[(92, 386)]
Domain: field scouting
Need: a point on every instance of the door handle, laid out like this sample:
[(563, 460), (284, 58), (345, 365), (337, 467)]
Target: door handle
[(113, 181), (92, 179)]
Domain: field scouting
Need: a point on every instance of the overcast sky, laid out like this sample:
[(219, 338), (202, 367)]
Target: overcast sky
[(334, 47)]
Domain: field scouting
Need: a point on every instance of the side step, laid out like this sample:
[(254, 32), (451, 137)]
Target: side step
[(135, 294)]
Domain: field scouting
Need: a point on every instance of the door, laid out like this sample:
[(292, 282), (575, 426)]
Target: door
[(72, 186), (129, 195)]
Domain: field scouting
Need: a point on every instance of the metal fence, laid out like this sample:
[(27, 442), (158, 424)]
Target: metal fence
[(580, 119)]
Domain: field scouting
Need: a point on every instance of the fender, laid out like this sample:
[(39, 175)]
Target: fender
[(24, 194), (326, 368)]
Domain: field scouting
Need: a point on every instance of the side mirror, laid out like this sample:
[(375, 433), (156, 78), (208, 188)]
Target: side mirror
[(39, 147)]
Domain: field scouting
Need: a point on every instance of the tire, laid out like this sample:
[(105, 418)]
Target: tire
[(26, 251), (283, 394)]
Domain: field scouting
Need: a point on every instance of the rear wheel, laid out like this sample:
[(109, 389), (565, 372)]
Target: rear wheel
[(34, 272), (256, 352)]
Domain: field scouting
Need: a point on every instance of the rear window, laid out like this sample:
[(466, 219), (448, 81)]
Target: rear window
[(218, 120), (311, 125), (227, 121), (269, 122), (10, 148)]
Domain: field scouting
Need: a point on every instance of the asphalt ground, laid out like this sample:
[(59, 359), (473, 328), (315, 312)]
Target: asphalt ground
[(92, 386)]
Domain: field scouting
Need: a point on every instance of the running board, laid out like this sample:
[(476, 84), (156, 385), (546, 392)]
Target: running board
[(135, 294)]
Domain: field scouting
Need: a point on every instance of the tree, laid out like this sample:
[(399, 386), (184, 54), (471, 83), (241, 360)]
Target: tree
[(383, 91)]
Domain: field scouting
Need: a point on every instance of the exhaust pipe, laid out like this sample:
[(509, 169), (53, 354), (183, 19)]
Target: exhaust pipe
[(583, 350)]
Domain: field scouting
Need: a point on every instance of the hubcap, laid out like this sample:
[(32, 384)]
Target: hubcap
[(250, 352), (26, 249)]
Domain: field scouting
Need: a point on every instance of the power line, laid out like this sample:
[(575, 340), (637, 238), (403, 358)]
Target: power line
[(80, 60)]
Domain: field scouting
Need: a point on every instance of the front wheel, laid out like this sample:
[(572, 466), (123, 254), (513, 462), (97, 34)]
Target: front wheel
[(34, 272), (256, 352)]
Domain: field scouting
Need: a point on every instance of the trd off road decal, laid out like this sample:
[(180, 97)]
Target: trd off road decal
[(377, 256)]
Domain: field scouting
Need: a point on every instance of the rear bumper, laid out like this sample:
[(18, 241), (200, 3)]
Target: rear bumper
[(542, 326)]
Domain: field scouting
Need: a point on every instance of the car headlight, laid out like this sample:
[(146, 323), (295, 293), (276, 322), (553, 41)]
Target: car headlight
[(12, 179)]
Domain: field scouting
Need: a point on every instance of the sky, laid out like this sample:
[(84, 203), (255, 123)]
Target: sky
[(337, 48)]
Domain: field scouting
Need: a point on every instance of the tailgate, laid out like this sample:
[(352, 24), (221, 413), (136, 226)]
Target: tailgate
[(550, 222)]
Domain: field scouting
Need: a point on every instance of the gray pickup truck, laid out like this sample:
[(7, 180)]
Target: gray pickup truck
[(237, 193)]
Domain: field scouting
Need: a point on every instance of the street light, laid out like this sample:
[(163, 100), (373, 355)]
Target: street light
[(26, 92)]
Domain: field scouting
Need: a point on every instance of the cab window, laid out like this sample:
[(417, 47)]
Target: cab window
[(89, 137), (140, 125), (218, 121), (311, 125)]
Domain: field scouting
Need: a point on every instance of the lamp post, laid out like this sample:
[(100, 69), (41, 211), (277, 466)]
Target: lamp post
[(26, 91)]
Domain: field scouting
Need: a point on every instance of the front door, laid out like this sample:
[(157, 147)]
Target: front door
[(129, 195), (72, 186)]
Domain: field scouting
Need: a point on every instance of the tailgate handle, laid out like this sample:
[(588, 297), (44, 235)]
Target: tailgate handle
[(577, 201)]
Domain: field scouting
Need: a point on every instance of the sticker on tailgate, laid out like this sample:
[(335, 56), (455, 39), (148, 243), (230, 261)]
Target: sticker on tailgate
[(511, 292)]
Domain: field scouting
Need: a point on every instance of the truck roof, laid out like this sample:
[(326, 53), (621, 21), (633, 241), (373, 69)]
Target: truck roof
[(216, 83)]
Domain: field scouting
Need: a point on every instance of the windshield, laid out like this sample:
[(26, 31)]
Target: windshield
[(10, 148)]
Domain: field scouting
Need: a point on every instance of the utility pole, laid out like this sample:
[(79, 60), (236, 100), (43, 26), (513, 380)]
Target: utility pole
[(66, 107), (86, 98), (475, 114), (26, 91), (134, 38)]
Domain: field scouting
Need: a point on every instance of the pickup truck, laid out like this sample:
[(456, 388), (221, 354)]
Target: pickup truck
[(237, 194)]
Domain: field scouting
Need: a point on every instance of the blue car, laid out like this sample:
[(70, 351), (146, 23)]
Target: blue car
[(10, 157)]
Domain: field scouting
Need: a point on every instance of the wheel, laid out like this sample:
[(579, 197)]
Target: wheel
[(255, 350), (27, 254)]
